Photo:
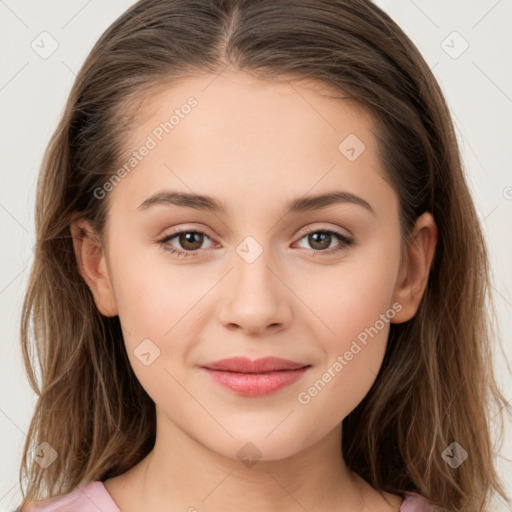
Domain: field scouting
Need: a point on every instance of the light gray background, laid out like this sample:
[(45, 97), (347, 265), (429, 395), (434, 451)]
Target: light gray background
[(477, 85)]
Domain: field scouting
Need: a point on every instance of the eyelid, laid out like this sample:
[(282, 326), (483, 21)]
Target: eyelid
[(183, 227), (304, 231), (323, 227), (345, 241)]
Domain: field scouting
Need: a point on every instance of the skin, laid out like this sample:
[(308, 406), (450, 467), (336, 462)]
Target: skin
[(254, 146)]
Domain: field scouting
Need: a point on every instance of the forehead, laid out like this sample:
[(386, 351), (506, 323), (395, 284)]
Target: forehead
[(236, 137)]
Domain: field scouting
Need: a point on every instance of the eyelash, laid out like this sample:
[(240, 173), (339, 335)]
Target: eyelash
[(346, 242)]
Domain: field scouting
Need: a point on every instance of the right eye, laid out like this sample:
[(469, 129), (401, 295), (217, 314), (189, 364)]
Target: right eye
[(190, 241)]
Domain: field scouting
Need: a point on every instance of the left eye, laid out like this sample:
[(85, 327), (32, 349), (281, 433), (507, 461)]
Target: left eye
[(320, 240)]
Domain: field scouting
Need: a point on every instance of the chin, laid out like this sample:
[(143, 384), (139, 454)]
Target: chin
[(250, 449)]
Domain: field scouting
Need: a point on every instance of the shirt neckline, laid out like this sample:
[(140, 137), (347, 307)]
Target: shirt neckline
[(408, 496)]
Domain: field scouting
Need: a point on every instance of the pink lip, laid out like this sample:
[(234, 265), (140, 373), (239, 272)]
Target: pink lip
[(259, 377), (245, 365)]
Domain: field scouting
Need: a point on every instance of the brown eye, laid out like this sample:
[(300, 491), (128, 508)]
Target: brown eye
[(322, 240), (188, 242), (319, 240)]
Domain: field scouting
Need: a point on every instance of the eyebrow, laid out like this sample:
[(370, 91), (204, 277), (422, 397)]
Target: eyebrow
[(208, 203)]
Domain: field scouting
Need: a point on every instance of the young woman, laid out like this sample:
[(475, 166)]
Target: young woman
[(260, 281)]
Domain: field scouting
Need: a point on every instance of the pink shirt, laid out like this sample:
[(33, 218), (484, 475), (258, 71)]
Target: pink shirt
[(94, 497)]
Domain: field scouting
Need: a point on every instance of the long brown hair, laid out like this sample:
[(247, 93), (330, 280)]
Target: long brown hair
[(436, 384)]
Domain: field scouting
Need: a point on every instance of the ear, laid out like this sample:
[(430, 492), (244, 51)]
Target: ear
[(91, 260), (415, 266)]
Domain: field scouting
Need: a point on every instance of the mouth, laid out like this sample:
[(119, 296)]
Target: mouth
[(255, 378)]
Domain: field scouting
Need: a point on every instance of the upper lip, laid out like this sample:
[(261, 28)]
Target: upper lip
[(245, 365)]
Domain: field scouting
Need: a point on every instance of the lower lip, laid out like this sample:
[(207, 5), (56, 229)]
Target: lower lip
[(256, 384)]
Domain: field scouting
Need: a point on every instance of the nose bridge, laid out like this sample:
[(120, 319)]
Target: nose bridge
[(253, 274), (256, 298)]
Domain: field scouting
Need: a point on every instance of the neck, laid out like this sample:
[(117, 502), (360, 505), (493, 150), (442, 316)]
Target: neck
[(181, 474)]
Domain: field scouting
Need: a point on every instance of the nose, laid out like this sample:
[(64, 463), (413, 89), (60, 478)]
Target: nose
[(258, 299)]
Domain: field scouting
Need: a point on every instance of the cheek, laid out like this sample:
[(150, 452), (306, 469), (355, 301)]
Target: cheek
[(159, 302), (356, 307), (351, 296), (153, 294), (353, 357), (160, 312)]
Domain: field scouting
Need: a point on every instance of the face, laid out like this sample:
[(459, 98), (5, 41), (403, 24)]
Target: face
[(260, 269)]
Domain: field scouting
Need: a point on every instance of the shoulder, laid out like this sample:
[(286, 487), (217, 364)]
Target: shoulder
[(415, 503), (88, 498)]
